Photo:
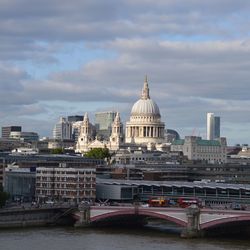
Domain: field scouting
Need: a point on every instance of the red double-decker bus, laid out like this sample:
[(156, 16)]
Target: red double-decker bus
[(186, 202)]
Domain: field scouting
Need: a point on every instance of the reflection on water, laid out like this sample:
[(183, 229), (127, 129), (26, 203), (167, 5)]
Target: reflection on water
[(69, 238)]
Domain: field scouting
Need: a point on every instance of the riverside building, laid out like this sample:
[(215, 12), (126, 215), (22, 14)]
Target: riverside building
[(40, 169), (67, 182)]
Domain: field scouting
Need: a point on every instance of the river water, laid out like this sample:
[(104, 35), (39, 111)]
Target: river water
[(69, 238)]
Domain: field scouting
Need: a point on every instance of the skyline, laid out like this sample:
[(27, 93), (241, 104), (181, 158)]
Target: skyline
[(59, 58)]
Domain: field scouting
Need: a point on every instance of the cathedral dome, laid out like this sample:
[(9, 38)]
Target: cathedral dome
[(145, 107)]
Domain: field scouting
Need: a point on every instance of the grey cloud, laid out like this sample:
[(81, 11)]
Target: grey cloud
[(183, 76), (11, 86), (23, 23), (208, 70)]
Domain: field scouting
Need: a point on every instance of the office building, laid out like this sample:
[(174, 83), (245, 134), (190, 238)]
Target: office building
[(10, 144), (195, 148), (75, 118), (19, 183), (15, 135), (62, 130), (213, 126), (29, 136), (103, 124), (7, 130), (67, 182), (76, 129), (216, 127), (76, 122)]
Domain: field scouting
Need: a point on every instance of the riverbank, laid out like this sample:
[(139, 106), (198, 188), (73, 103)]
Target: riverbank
[(34, 217)]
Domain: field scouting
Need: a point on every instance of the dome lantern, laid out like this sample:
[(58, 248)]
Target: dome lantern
[(145, 90)]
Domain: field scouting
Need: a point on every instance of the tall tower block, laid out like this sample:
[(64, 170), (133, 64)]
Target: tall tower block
[(213, 126), (210, 126)]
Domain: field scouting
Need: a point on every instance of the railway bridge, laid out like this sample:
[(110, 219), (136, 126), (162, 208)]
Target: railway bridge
[(193, 220)]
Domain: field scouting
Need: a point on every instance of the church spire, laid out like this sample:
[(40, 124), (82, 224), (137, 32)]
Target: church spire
[(117, 118), (86, 117), (145, 90)]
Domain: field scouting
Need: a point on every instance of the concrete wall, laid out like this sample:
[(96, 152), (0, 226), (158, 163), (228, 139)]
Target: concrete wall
[(28, 217)]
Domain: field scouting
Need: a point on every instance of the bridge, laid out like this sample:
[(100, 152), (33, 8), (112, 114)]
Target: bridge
[(193, 220)]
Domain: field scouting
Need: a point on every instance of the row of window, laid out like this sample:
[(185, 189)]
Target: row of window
[(66, 193), (65, 172), (65, 185), (68, 179)]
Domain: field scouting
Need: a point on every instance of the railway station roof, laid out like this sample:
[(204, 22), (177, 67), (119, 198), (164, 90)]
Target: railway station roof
[(178, 184)]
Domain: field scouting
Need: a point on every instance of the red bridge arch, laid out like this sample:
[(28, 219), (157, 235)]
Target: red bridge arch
[(139, 212), (223, 221)]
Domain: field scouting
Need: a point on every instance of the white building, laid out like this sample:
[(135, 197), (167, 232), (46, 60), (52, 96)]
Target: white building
[(62, 130), (86, 141), (76, 128), (195, 148), (145, 126), (213, 126)]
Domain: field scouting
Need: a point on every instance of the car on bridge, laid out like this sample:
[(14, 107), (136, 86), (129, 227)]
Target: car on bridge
[(158, 202), (237, 206)]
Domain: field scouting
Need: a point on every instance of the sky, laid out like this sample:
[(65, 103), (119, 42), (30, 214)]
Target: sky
[(60, 58)]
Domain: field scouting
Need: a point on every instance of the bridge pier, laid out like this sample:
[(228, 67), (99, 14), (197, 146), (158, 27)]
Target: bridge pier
[(84, 219), (193, 229)]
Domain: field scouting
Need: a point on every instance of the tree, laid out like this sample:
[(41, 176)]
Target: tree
[(3, 197), (57, 151), (98, 153)]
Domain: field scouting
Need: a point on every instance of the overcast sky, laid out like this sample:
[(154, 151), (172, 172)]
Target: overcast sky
[(60, 58)]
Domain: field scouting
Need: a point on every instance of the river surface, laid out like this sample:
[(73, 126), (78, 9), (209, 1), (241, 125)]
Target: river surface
[(69, 238)]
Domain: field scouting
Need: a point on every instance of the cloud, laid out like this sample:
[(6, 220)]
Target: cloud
[(23, 23), (195, 53)]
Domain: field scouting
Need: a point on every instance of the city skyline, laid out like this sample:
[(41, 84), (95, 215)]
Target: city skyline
[(58, 59)]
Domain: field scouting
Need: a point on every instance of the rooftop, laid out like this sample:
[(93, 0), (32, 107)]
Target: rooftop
[(212, 185)]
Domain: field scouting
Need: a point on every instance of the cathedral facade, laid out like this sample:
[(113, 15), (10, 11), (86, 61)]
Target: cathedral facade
[(144, 128), (145, 124)]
